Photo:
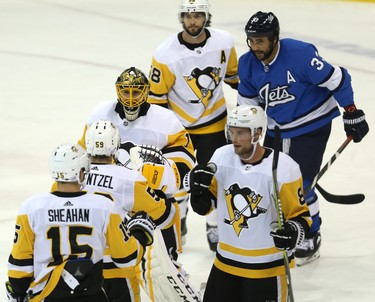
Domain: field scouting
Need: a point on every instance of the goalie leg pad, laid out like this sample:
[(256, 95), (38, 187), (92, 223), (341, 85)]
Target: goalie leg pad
[(168, 283)]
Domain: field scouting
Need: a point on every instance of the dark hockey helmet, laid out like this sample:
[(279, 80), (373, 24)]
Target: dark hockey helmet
[(263, 24)]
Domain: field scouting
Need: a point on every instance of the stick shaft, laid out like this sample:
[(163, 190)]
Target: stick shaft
[(280, 217), (328, 164)]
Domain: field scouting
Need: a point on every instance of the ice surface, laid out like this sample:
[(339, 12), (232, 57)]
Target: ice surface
[(58, 59)]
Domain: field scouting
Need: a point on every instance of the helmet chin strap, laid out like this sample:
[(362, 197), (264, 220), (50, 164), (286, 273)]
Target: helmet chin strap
[(255, 144), (196, 36), (199, 34)]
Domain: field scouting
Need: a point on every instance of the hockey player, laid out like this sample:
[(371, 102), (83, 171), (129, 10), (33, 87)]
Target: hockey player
[(238, 181), (131, 193), (187, 75), (60, 237), (141, 123), (300, 91)]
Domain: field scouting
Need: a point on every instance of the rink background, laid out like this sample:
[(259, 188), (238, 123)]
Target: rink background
[(58, 59)]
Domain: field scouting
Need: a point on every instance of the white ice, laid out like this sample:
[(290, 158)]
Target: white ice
[(59, 58)]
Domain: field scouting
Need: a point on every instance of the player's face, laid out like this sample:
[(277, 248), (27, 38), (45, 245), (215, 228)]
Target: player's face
[(262, 48), (241, 139), (130, 97), (193, 23)]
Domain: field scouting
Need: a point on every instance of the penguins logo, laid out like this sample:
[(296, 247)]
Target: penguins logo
[(203, 83), (243, 204)]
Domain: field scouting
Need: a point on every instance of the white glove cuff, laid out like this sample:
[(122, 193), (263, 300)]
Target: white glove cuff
[(300, 229), (186, 182)]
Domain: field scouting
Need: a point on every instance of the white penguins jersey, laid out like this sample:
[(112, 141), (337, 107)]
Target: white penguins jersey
[(53, 228), (156, 126), (246, 209), (130, 192), (190, 80)]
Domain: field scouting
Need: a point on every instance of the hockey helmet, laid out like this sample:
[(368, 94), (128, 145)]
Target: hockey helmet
[(248, 116), (194, 6), (67, 161), (132, 89), (102, 139), (263, 24)]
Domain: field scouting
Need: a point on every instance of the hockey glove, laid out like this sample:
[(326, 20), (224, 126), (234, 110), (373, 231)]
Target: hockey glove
[(199, 178), (355, 124), (12, 296), (142, 228), (151, 154), (287, 238), (145, 154)]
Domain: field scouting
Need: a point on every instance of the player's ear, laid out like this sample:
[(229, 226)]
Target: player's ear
[(82, 175)]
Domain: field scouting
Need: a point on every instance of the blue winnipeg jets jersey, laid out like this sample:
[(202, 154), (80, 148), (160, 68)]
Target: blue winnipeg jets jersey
[(299, 88)]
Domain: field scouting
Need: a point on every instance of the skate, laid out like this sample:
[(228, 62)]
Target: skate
[(212, 236), (308, 250)]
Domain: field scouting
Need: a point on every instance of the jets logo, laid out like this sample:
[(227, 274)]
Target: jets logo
[(203, 83), (276, 96), (243, 204)]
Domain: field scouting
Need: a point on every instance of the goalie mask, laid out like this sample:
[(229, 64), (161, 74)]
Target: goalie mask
[(132, 89), (66, 163), (102, 139)]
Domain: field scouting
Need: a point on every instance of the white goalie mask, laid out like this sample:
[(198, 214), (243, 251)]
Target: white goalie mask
[(194, 6), (248, 116), (102, 139), (67, 161)]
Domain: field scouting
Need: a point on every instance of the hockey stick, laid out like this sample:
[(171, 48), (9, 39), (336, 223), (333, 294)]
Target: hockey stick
[(280, 216), (339, 199)]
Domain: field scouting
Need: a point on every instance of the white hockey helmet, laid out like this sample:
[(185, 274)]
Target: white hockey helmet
[(67, 161), (248, 116), (194, 6), (102, 139)]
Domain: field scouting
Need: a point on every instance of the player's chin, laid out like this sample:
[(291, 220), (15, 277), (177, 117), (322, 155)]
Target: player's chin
[(259, 55), (237, 149)]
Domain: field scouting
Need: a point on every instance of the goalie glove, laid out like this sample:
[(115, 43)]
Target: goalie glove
[(199, 178), (355, 124), (145, 154), (141, 226), (288, 237), (12, 296)]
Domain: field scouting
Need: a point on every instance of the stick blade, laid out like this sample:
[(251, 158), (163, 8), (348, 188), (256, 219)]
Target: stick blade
[(340, 199)]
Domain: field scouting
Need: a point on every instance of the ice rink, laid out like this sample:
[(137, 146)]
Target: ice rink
[(59, 58)]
